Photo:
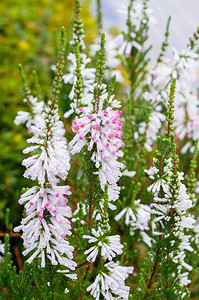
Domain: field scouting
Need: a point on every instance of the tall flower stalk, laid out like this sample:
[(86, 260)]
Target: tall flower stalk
[(168, 271), (98, 136), (73, 75), (46, 223)]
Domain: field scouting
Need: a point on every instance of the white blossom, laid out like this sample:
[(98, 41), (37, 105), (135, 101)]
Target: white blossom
[(46, 225), (111, 283), (183, 65), (101, 133), (32, 117), (51, 158), (108, 246), (88, 78), (181, 220)]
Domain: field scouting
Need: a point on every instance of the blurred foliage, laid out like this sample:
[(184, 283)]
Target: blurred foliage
[(28, 35)]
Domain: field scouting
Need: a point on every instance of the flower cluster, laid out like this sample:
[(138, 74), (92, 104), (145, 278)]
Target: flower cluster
[(183, 65), (32, 117), (79, 73), (101, 133), (109, 246), (137, 218), (47, 224), (111, 282), (178, 205), (88, 74), (98, 131), (49, 147), (138, 15)]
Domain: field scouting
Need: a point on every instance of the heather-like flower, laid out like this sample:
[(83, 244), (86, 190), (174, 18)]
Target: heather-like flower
[(32, 117), (101, 133), (47, 224), (50, 158), (160, 181), (88, 74), (78, 65), (111, 282), (126, 47), (152, 128), (162, 208), (108, 246), (137, 218), (138, 14), (183, 64), (129, 215)]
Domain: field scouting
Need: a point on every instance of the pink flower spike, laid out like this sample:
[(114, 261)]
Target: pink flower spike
[(47, 204), (81, 137), (107, 122), (40, 194), (81, 109), (74, 122), (32, 203), (54, 210), (90, 116), (40, 216), (83, 125), (57, 194), (94, 126), (93, 138)]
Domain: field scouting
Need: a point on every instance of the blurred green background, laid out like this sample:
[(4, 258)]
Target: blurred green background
[(29, 34)]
